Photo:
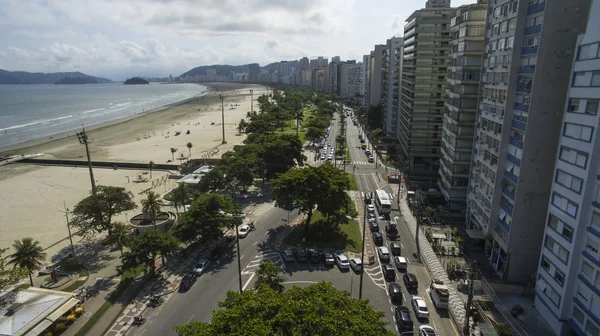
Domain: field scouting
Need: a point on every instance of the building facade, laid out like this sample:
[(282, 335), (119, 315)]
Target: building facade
[(253, 72), (424, 70), (350, 79), (568, 279), (464, 74), (391, 85), (524, 86), (366, 82), (376, 74)]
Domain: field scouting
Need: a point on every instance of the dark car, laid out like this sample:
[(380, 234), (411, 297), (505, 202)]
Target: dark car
[(377, 238), (395, 292), (388, 272), (301, 255), (410, 281), (368, 198), (391, 230), (403, 318), (374, 226), (371, 215), (315, 257), (396, 249), (328, 259), (187, 281)]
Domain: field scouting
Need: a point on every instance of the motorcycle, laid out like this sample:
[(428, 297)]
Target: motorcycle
[(138, 320), (252, 227), (516, 310), (156, 301)]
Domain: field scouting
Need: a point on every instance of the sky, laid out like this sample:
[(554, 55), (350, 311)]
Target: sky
[(117, 39)]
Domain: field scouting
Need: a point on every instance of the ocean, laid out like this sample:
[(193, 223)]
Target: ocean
[(30, 112)]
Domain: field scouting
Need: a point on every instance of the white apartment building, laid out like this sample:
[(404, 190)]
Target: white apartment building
[(568, 279), (526, 73), (391, 87), (376, 74), (366, 80), (351, 77)]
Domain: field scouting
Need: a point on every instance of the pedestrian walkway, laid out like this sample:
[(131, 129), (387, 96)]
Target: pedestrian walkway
[(390, 195), (363, 163), (357, 197), (457, 305), (268, 255)]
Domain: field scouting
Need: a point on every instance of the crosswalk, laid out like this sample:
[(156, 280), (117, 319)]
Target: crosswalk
[(390, 195), (362, 163), (267, 255)]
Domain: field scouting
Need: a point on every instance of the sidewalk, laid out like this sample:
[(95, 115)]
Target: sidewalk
[(457, 305), (360, 208)]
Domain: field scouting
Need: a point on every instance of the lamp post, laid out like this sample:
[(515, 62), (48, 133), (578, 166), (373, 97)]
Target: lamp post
[(251, 102), (222, 97), (66, 211), (362, 255), (237, 238), (83, 139)]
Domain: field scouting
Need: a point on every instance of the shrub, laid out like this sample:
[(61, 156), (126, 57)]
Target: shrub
[(71, 318), (79, 311), (60, 327), (49, 333)]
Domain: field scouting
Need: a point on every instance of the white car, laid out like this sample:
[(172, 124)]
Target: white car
[(420, 307), (426, 330), (322, 157), (384, 254), (330, 157), (243, 230), (370, 208), (356, 264), (342, 261), (201, 266)]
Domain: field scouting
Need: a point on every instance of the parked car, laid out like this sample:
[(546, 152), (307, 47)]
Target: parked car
[(377, 238), (342, 262), (328, 259), (396, 249), (384, 254), (314, 256), (401, 263), (370, 208), (301, 255), (374, 226), (391, 230), (410, 281), (395, 292), (403, 318), (356, 264), (287, 255), (420, 307), (371, 215), (371, 159), (368, 198), (388, 272), (426, 330), (187, 281), (244, 230), (201, 266)]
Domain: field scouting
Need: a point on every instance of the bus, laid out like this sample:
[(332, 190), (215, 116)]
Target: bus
[(439, 294), (383, 202)]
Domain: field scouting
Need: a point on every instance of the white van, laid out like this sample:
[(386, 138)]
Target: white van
[(401, 263), (342, 262)]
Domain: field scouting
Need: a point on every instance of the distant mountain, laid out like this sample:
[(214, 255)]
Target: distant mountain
[(22, 77), (275, 66), (136, 81), (225, 70), (77, 80)]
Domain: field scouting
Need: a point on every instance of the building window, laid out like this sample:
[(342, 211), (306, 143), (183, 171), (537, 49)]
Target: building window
[(553, 295), (578, 315), (553, 222), (569, 181), (592, 247), (596, 78), (578, 132), (580, 79), (556, 249), (591, 329), (559, 277), (566, 205), (591, 106), (587, 269), (573, 157), (588, 51), (596, 220), (545, 264), (567, 232), (574, 105)]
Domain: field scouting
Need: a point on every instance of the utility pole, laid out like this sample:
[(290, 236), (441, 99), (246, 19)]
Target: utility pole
[(251, 102), (222, 97), (362, 256), (237, 238), (66, 212), (466, 327), (83, 139)]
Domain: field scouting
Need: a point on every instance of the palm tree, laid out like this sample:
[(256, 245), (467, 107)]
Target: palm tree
[(118, 236), (189, 146), (180, 197), (299, 116), (28, 255), (173, 150), (151, 206), (269, 274), (151, 166)]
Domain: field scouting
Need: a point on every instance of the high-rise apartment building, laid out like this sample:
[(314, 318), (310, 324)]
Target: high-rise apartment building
[(350, 79), (333, 73), (437, 3), (568, 278), (253, 72), (376, 74), (464, 73), (526, 73), (391, 83), (425, 63), (366, 82)]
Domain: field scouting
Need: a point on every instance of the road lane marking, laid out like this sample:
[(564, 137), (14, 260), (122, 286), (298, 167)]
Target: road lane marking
[(402, 246), (191, 317), (256, 242), (454, 327), (434, 326), (248, 282), (242, 257)]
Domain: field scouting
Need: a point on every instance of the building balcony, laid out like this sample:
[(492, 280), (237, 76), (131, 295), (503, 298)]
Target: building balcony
[(513, 159), (516, 142), (524, 89), (507, 192), (511, 176), (521, 107), (504, 225), (534, 9), (529, 50), (506, 207), (519, 125), (533, 29), (526, 68)]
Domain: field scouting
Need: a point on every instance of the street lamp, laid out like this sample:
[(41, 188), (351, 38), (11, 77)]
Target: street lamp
[(66, 211), (237, 238), (222, 97), (251, 102), (83, 139), (362, 255)]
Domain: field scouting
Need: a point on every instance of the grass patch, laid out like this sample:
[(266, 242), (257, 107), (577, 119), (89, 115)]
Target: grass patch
[(74, 286), (132, 272), (326, 233), (23, 286), (301, 134), (353, 184), (94, 319)]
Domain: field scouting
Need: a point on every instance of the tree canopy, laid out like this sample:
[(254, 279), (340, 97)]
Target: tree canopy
[(9, 274), (315, 310), (269, 275), (146, 247)]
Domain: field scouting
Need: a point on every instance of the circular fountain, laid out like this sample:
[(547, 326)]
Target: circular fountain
[(143, 222)]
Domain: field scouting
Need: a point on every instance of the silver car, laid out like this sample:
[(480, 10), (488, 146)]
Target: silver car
[(201, 266)]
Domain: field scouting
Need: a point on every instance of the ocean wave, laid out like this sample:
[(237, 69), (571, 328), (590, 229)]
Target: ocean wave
[(92, 111), (33, 123)]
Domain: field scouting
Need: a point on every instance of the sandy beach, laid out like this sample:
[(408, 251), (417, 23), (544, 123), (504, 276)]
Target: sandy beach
[(30, 196)]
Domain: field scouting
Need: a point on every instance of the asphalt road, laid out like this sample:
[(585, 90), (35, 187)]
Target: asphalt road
[(367, 181)]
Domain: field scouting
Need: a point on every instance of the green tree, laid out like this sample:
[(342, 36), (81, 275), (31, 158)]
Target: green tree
[(29, 255), (151, 166), (147, 246), (242, 126), (263, 103), (9, 275), (189, 146), (278, 152), (241, 165), (151, 206), (119, 236), (180, 196), (214, 179), (203, 221), (316, 310), (94, 213), (269, 274), (261, 123), (173, 150)]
